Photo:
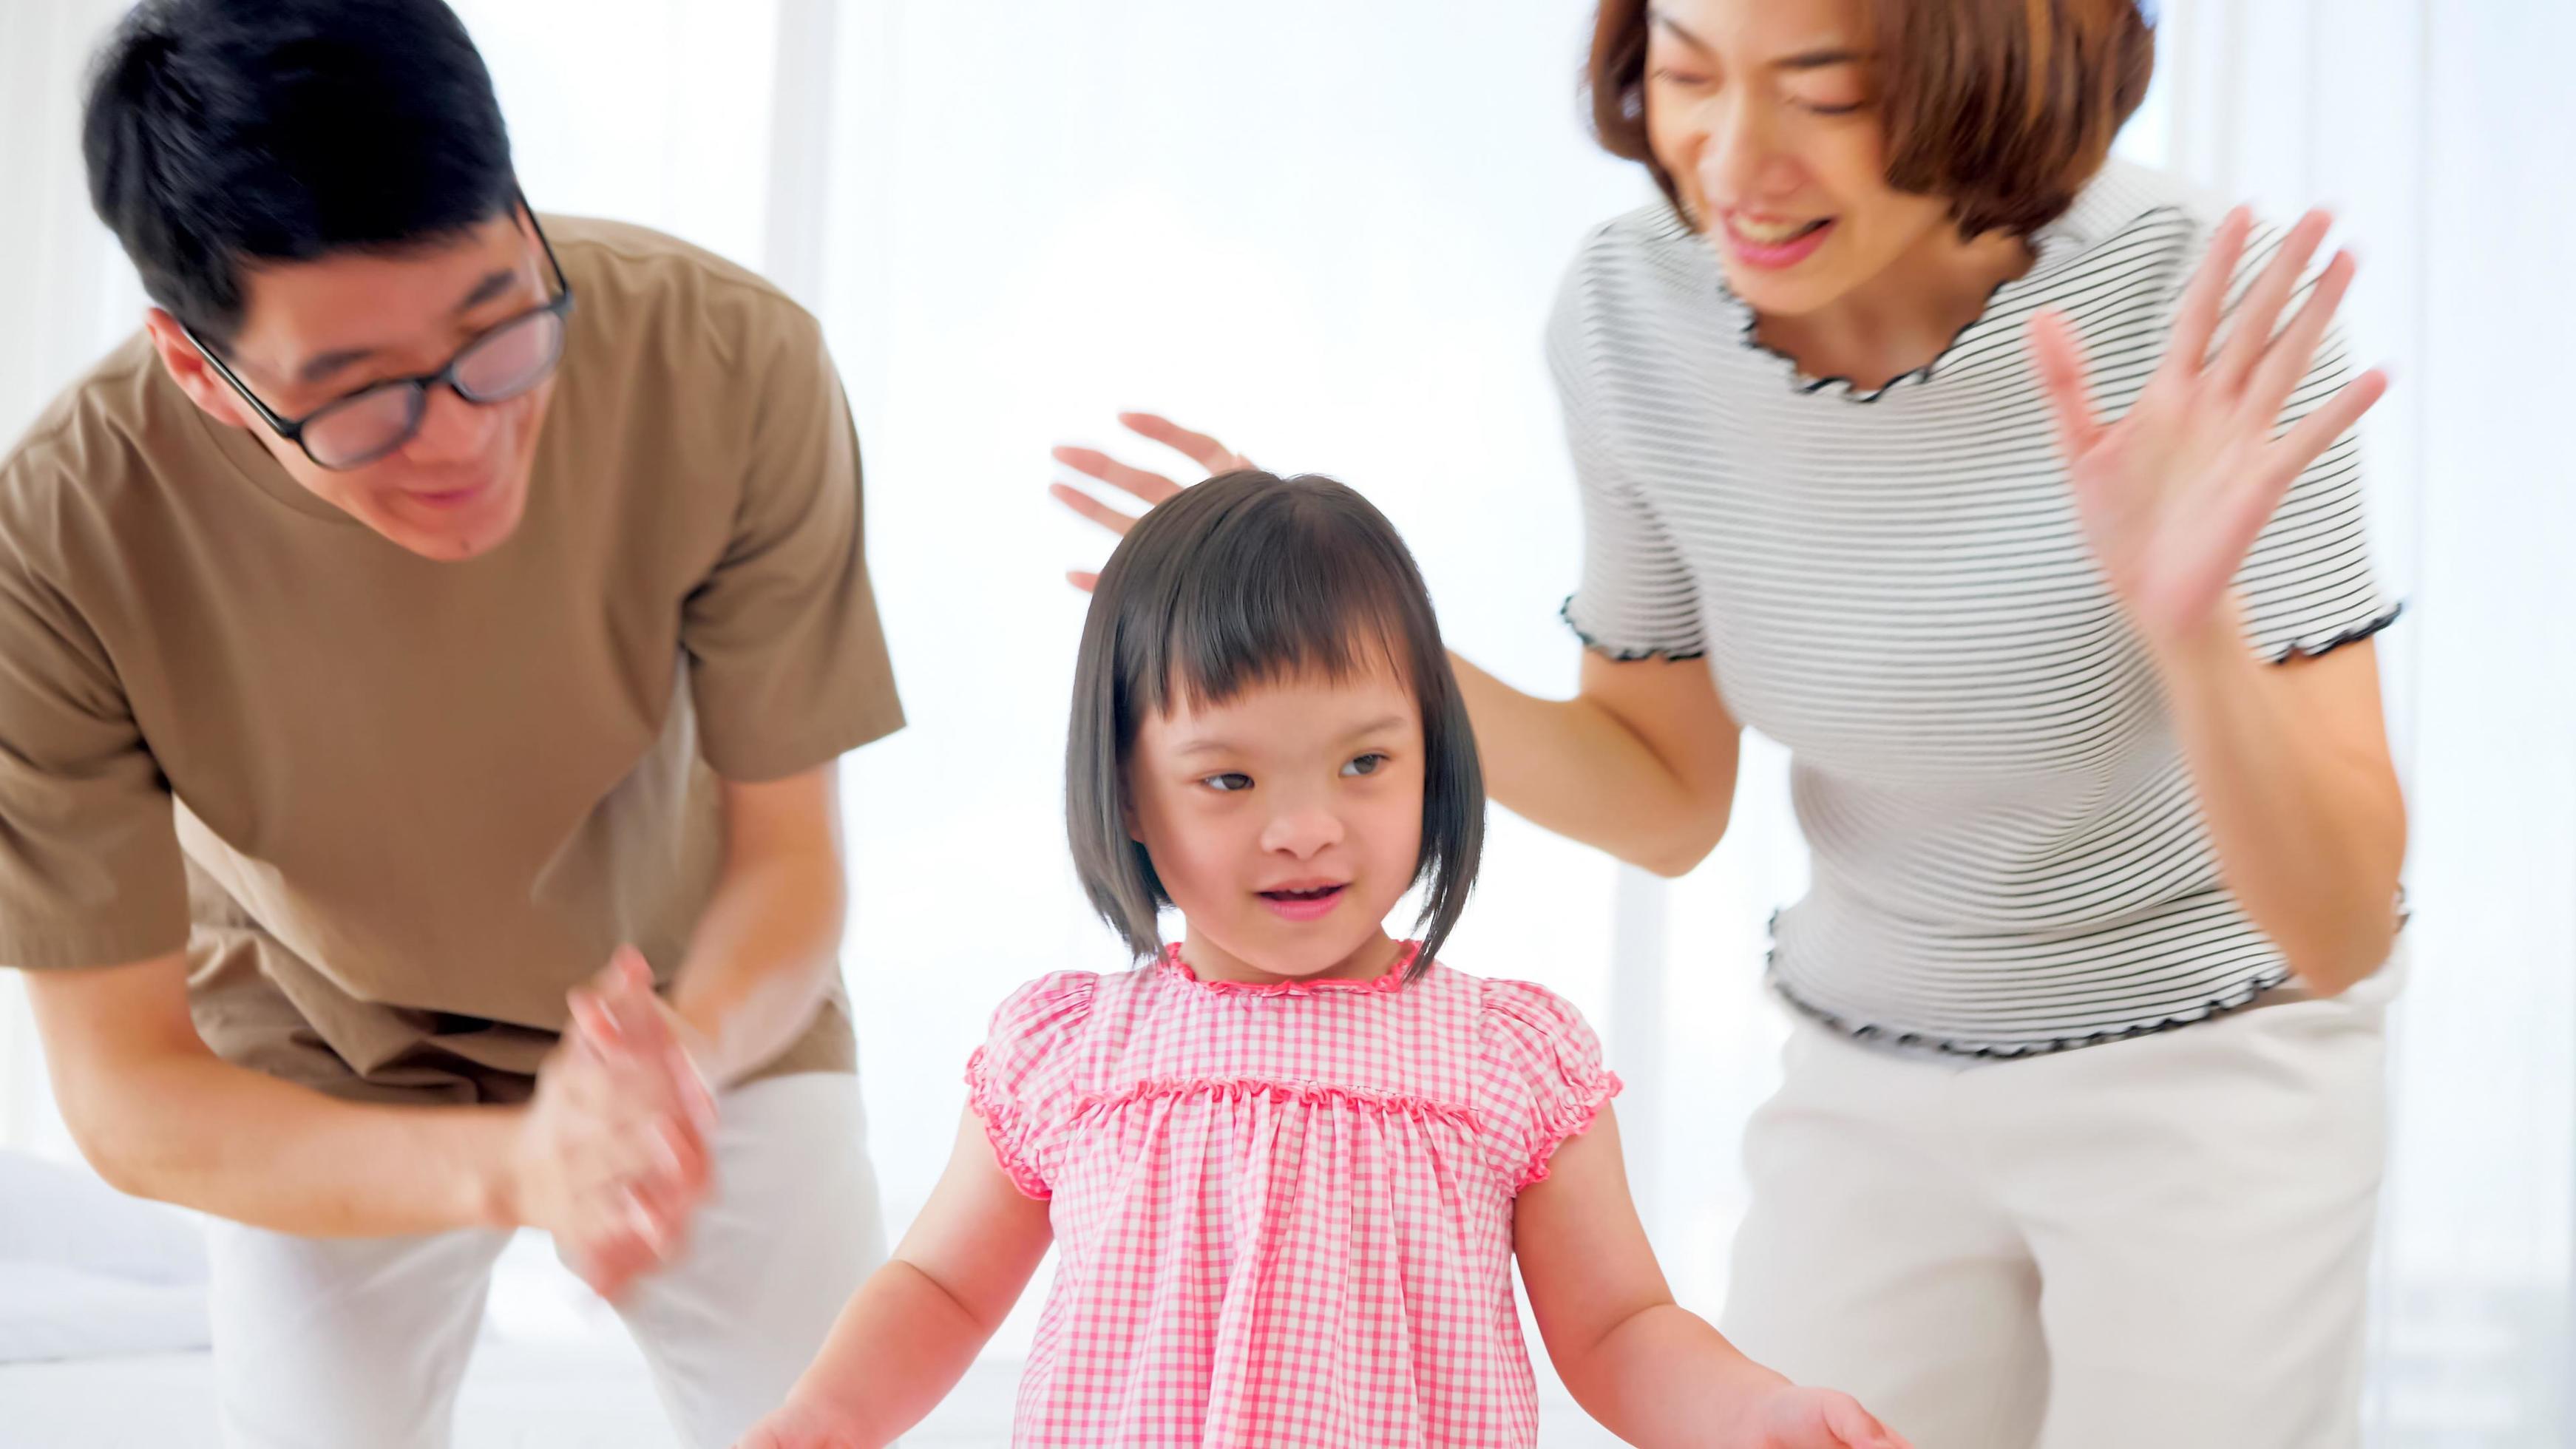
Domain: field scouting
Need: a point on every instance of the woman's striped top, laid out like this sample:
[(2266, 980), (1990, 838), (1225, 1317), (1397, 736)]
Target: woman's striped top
[(2007, 854)]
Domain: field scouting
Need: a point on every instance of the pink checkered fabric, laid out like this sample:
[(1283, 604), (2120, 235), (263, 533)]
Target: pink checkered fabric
[(1282, 1214)]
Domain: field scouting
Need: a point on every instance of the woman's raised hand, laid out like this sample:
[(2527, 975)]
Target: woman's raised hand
[(2172, 495), (1212, 457)]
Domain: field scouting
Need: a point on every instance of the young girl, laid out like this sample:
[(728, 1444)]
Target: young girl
[(1287, 1162)]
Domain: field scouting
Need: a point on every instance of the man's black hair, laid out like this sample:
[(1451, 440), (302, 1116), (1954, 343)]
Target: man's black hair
[(227, 133)]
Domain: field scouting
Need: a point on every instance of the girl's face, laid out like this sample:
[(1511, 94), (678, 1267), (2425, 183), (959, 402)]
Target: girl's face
[(1285, 823), (1763, 114)]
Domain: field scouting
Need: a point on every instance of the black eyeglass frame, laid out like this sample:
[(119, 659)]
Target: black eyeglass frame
[(419, 385)]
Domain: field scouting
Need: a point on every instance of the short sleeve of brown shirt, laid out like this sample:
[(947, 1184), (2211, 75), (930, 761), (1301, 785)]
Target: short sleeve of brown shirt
[(392, 807), (89, 865), (788, 663)]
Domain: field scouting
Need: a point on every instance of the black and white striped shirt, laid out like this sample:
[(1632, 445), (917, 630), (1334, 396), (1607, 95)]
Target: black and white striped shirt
[(2007, 855)]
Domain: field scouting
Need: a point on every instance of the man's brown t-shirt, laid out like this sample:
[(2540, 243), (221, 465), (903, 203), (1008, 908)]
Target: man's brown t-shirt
[(396, 808)]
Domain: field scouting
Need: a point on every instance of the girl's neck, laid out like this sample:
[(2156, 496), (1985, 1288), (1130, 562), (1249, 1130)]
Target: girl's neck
[(1901, 319), (1209, 961)]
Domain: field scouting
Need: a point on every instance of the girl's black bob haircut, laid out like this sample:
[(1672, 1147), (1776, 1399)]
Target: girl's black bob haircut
[(1242, 580)]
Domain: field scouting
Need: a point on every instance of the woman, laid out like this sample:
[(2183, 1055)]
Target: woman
[(1970, 466)]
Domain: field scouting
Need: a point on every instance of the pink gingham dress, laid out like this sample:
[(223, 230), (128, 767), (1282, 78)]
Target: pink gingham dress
[(1282, 1213)]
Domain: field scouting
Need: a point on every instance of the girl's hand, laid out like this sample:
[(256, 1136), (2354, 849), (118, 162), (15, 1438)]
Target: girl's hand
[(1201, 449), (1790, 1417), (801, 1426), (2172, 495)]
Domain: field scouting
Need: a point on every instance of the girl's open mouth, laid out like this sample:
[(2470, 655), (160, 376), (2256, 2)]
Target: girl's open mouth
[(1306, 903)]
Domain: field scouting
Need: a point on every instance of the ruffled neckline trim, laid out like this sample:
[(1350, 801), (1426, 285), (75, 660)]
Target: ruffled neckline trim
[(2049, 250), (2096, 212), (1387, 985)]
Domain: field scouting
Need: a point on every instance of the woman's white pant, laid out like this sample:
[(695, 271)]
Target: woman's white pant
[(2163, 1241), (333, 1344)]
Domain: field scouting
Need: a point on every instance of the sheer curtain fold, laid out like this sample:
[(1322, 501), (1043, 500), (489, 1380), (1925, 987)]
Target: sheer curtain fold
[(66, 295), (2429, 128)]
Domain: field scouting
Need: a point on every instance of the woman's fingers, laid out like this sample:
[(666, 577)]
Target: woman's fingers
[(2196, 319), (2332, 419), (1091, 508), (2249, 334), (1148, 487), (2060, 361), (1092, 463), (2295, 350), (1199, 448)]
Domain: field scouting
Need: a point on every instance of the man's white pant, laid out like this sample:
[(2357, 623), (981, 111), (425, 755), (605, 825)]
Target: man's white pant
[(335, 1344), (2163, 1241)]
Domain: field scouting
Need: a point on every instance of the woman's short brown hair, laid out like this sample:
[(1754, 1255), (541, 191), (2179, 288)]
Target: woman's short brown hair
[(2005, 107)]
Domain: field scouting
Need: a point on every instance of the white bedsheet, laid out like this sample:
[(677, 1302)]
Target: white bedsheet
[(49, 1312), (86, 1271), (102, 1299), (516, 1396)]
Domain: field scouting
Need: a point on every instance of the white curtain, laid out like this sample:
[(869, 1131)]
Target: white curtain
[(1329, 232), (2437, 128), (66, 295)]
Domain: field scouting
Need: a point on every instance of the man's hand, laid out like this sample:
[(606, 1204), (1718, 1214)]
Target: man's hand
[(614, 1155)]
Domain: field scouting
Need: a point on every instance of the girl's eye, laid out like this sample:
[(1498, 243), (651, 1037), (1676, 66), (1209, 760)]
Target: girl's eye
[(1229, 782), (1364, 765), (1824, 110), (1669, 76)]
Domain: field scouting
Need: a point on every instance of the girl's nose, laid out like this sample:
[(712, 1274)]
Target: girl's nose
[(1301, 833)]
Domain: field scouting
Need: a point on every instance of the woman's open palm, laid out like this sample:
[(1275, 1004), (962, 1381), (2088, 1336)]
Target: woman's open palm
[(2172, 495)]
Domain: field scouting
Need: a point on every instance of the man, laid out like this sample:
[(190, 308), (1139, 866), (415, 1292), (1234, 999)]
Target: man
[(437, 628)]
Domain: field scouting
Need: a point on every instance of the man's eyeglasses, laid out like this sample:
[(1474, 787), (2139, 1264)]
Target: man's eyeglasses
[(502, 362)]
